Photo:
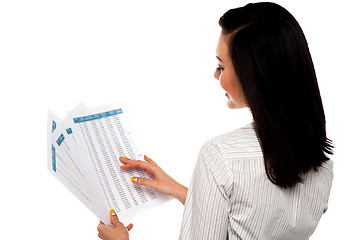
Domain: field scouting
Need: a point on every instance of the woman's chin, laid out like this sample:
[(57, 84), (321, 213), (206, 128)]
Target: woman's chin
[(230, 104)]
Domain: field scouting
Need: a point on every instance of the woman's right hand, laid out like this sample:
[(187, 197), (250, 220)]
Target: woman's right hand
[(161, 182)]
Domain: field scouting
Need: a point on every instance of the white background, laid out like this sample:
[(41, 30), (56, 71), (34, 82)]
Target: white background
[(156, 60)]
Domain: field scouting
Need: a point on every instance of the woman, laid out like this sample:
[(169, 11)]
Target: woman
[(270, 179)]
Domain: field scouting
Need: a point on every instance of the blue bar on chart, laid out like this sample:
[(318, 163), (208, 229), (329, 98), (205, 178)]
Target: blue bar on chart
[(97, 116)]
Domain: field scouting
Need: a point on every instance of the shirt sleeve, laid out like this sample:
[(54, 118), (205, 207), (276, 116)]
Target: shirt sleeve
[(207, 205)]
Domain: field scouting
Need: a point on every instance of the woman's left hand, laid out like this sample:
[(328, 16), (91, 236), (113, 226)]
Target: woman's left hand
[(161, 182), (116, 232)]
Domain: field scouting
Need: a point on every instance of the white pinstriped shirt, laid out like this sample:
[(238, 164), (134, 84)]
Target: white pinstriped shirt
[(231, 196)]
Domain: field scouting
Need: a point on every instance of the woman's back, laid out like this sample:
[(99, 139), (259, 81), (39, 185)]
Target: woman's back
[(230, 194)]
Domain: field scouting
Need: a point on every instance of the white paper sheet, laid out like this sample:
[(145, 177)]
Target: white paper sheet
[(59, 163), (87, 146)]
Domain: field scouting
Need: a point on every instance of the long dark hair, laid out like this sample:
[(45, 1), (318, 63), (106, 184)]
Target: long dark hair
[(272, 61)]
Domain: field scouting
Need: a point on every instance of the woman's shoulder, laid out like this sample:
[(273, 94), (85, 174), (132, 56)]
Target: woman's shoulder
[(241, 142)]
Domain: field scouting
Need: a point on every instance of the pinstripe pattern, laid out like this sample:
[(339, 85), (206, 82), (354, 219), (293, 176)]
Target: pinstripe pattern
[(230, 194)]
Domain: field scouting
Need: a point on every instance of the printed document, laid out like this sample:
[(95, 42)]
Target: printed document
[(83, 154)]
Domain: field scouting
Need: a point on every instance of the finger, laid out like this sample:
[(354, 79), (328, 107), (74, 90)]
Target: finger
[(140, 164), (100, 236), (128, 161), (114, 218), (100, 226), (146, 158), (130, 226), (144, 181), (124, 160)]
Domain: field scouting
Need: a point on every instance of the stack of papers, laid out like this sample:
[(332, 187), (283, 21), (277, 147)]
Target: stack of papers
[(83, 154)]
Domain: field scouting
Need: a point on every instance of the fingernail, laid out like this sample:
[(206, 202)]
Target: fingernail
[(146, 156), (112, 212), (121, 157), (126, 157), (133, 179), (130, 226)]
